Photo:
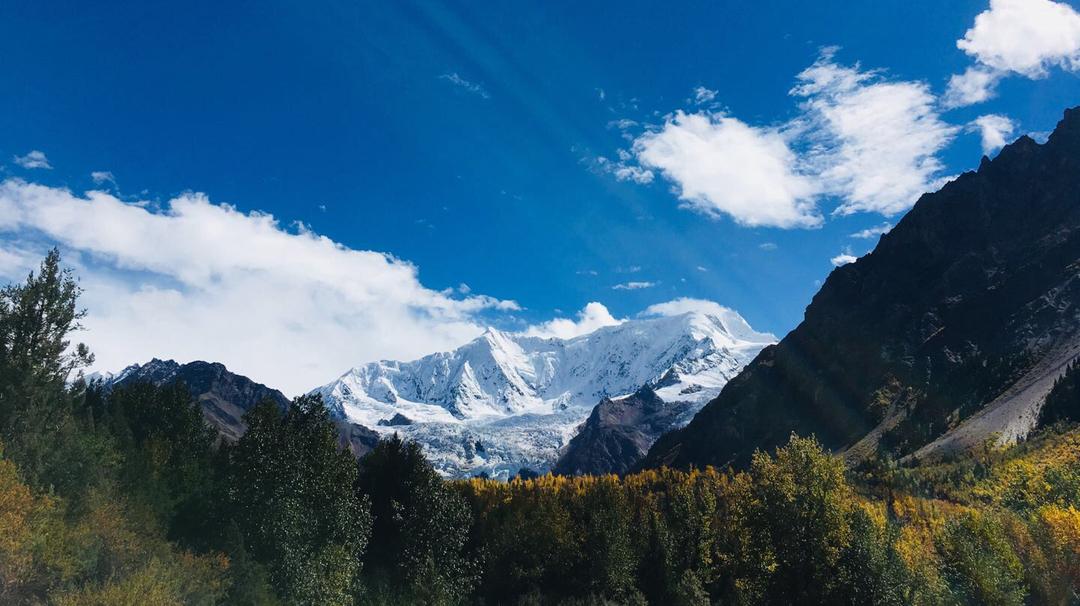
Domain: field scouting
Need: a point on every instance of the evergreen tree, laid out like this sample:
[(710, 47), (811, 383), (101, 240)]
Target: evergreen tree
[(1063, 401), (167, 452), (36, 361), (420, 527), (291, 492)]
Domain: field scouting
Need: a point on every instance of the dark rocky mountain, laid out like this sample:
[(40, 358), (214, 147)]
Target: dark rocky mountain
[(396, 420), (953, 329), (357, 438), (225, 396), (618, 433)]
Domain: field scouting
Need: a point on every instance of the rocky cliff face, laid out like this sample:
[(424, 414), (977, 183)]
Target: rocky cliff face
[(618, 433), (952, 329), (225, 396)]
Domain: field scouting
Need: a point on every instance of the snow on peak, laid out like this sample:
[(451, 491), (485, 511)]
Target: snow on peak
[(522, 396)]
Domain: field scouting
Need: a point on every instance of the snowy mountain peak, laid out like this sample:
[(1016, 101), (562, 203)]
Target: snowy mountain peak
[(502, 382)]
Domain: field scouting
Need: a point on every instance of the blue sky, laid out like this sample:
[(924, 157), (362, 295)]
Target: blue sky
[(480, 143)]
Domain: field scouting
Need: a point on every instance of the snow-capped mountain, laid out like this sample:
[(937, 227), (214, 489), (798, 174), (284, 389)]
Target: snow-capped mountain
[(505, 401)]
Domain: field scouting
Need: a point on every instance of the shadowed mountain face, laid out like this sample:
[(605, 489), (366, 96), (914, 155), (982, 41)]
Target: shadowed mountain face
[(225, 397), (953, 328), (618, 433)]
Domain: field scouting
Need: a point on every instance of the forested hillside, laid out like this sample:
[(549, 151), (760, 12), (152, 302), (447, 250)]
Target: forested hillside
[(126, 497)]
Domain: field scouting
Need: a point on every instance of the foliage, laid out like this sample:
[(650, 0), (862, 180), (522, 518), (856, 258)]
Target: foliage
[(127, 497), (290, 491), (420, 528), (1063, 401)]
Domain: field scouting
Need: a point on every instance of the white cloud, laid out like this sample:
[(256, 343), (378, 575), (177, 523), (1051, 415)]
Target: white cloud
[(873, 232), (975, 85), (633, 173), (34, 159), (593, 316), (702, 268), (723, 166), (200, 280), (767, 246), (875, 140), (735, 324), (703, 95), (622, 124), (16, 262), (633, 285), (994, 130), (683, 305), (1025, 37), (868, 141), (102, 176), (622, 170), (843, 259), (466, 85)]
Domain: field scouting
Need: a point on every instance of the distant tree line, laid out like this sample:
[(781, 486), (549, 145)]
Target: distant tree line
[(128, 497)]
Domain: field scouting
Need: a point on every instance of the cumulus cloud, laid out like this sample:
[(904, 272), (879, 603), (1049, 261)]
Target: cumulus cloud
[(1024, 37), (872, 232), (865, 140), (973, 86), (723, 166), (633, 285), (593, 316), (875, 140), (469, 87), (200, 280), (994, 130), (843, 259), (34, 159)]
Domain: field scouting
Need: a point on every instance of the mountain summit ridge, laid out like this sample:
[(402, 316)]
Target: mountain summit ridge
[(502, 374), (522, 397), (224, 397)]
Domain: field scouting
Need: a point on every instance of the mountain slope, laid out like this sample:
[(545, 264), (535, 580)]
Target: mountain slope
[(225, 396), (618, 433), (970, 297), (506, 401)]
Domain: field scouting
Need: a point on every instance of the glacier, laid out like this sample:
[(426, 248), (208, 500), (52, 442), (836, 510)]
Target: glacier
[(505, 401)]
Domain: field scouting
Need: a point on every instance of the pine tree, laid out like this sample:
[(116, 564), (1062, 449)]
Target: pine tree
[(36, 361)]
